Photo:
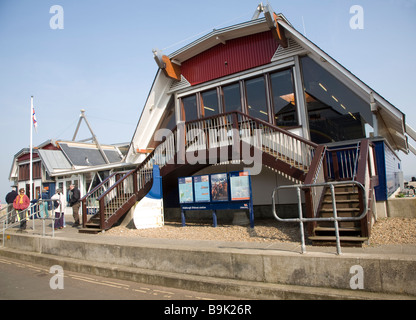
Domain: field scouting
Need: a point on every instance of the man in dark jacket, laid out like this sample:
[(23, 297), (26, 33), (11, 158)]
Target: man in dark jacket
[(74, 197), (9, 200)]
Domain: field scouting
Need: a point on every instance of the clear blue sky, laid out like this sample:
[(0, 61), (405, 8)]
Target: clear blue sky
[(102, 60)]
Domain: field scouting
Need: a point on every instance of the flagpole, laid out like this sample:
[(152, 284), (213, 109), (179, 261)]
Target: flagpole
[(31, 149)]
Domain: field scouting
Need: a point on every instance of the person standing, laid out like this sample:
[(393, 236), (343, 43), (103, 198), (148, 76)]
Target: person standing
[(21, 203), (59, 208), (44, 206), (74, 202), (10, 209)]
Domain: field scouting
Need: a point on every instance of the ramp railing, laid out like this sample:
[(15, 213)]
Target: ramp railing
[(336, 219), (43, 210)]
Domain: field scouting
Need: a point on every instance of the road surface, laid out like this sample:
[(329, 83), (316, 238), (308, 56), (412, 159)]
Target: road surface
[(21, 280)]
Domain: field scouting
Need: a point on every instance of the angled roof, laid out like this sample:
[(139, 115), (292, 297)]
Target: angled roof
[(392, 117), (54, 161), (88, 155)]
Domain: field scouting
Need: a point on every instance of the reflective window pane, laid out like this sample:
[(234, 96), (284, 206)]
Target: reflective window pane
[(190, 108), (210, 103), (232, 98), (168, 119), (335, 112), (256, 98), (284, 102)]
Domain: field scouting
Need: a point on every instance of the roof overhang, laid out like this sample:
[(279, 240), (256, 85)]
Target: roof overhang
[(217, 37), (391, 117), (92, 169)]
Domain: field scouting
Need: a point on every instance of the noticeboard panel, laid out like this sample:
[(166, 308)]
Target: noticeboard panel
[(240, 186), (186, 194), (219, 187), (201, 188)]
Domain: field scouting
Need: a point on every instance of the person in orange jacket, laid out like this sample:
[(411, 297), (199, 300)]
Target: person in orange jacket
[(21, 203)]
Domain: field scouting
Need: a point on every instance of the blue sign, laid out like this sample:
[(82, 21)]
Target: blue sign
[(186, 193), (201, 188), (219, 191)]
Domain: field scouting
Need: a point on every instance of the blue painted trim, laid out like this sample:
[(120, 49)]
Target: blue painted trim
[(156, 192)]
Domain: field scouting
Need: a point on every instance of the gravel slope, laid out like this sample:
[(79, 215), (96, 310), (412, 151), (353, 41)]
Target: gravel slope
[(385, 231)]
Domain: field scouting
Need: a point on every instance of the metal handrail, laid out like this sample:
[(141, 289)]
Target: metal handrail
[(4, 220), (202, 134), (335, 218)]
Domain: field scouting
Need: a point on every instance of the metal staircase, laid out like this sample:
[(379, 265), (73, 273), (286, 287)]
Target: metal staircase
[(193, 145), (190, 147), (349, 165)]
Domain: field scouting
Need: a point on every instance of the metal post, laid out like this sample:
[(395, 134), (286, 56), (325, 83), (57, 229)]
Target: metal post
[(43, 226), (334, 208), (214, 217), (33, 215), (183, 218), (301, 221), (4, 230)]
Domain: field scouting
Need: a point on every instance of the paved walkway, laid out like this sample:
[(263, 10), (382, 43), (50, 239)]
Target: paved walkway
[(404, 250), (247, 269)]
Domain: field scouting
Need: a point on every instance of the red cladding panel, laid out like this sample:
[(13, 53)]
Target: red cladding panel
[(235, 56)]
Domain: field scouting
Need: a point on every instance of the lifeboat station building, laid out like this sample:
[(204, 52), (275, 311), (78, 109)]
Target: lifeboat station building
[(259, 98)]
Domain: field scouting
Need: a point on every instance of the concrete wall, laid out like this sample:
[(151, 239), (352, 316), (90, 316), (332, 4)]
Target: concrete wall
[(381, 274), (401, 207), (397, 208)]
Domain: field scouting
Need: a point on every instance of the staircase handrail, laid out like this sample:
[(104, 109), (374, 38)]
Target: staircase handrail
[(276, 128), (98, 186), (267, 124), (84, 200), (111, 188), (369, 179), (153, 157)]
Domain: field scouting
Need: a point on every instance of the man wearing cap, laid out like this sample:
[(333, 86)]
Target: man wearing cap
[(9, 200)]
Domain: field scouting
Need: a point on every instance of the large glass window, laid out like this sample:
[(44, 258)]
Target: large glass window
[(210, 105), (284, 102), (232, 97), (256, 98), (335, 112), (190, 108), (168, 120)]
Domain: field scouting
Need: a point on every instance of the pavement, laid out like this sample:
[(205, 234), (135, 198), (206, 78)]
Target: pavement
[(250, 270)]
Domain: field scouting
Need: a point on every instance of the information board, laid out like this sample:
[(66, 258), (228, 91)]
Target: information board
[(219, 187), (218, 191), (186, 194), (201, 188), (240, 186)]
